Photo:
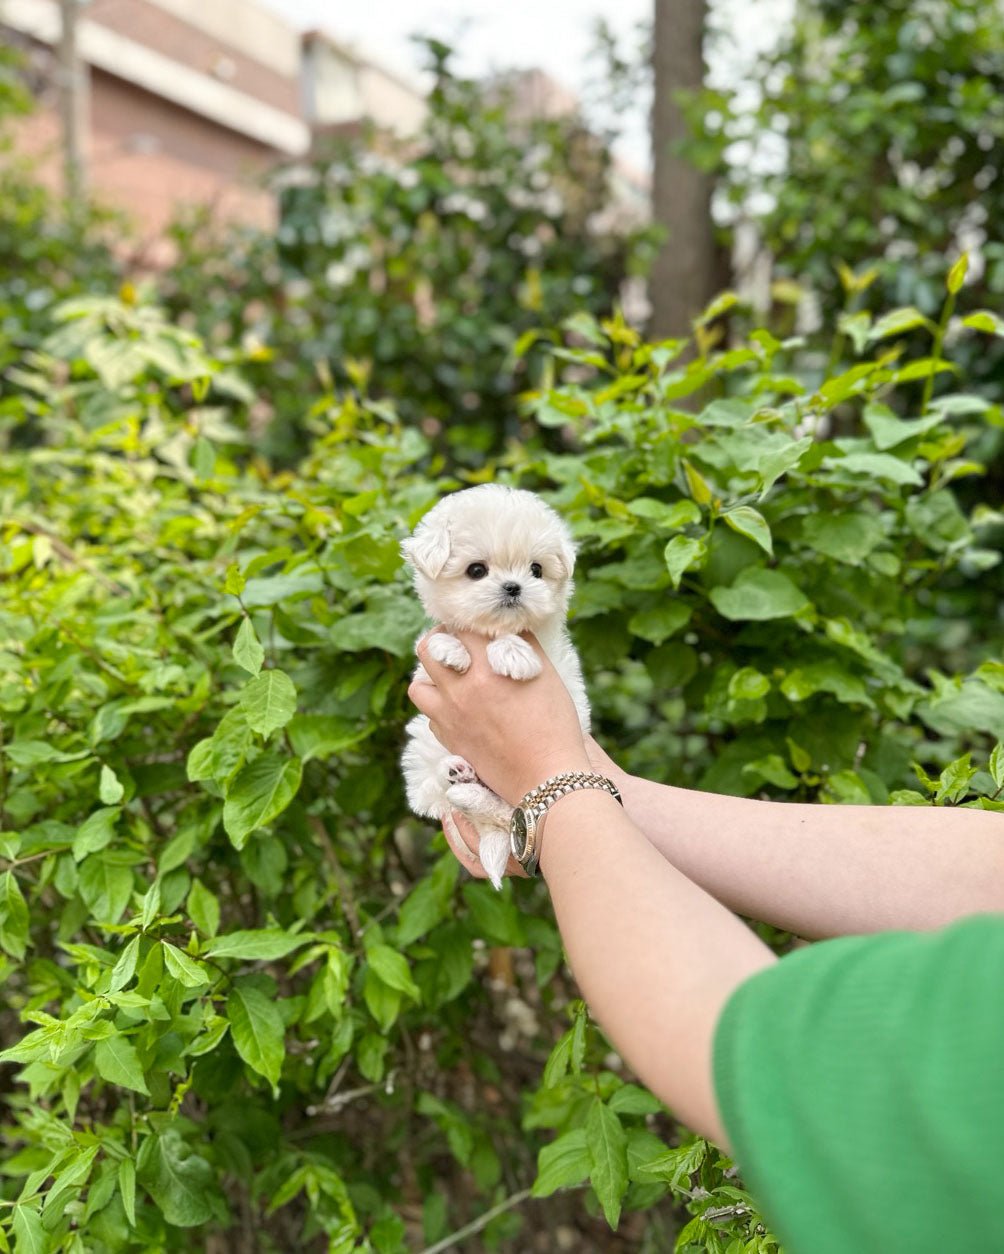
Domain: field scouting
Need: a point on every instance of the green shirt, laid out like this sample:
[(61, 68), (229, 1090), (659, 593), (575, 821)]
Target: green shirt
[(861, 1082)]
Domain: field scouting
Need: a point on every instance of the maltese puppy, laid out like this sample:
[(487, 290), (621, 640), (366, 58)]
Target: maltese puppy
[(496, 561)]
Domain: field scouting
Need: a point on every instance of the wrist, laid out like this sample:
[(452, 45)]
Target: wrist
[(526, 825), (546, 768)]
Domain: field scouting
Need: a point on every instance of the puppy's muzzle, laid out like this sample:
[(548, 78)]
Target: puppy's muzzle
[(512, 593)]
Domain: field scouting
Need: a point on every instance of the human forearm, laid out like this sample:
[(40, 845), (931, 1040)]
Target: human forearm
[(822, 870), (655, 956)]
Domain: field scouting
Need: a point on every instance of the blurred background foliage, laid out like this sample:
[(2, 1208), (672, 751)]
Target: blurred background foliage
[(247, 1001), (418, 265)]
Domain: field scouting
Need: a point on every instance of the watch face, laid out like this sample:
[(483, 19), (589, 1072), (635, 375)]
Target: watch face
[(517, 834)]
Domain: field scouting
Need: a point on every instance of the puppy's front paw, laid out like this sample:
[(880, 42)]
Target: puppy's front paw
[(513, 656), (449, 651)]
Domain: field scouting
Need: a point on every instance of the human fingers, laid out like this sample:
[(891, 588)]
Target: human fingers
[(465, 844)]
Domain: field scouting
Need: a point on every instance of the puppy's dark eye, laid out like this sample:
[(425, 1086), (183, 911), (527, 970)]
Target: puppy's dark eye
[(477, 570), (536, 570)]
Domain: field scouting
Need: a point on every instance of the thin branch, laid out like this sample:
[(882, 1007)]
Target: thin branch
[(345, 892), (476, 1225)]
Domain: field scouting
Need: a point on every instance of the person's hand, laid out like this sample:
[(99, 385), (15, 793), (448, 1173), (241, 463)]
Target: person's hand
[(515, 733), (467, 852)]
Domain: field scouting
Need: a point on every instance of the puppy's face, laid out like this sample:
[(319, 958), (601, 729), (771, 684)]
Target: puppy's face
[(492, 560)]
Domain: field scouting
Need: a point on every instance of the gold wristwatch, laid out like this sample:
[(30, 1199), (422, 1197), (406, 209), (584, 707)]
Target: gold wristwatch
[(527, 819)]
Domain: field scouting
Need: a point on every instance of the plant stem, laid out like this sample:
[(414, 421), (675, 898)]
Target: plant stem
[(476, 1225), (939, 336)]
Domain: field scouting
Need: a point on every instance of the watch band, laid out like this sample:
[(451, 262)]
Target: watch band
[(550, 790), (528, 814)]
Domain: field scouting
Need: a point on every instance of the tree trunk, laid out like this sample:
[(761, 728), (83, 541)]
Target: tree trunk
[(687, 271), (73, 106)]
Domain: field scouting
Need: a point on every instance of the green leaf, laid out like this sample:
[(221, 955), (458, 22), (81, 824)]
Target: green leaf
[(673, 517), (936, 520), (748, 684), (247, 649), (150, 906), (428, 903), (699, 488), (184, 970), (28, 753), (996, 766), (255, 944), (563, 1164), (659, 622), (985, 320), (269, 701), (259, 793), (494, 915), (607, 1145), (96, 831), (970, 707), (758, 595), (772, 769), (105, 887), (957, 274), (257, 1030), (556, 1067), (773, 464), (888, 429), (29, 1234), (177, 1178), (898, 322), (750, 522), (323, 735), (393, 969), (203, 908), (382, 1001), (875, 466), (116, 1061), (828, 676), (14, 917), (370, 1056), (110, 790), (127, 1189), (844, 537), (125, 967), (631, 1099), (954, 780), (199, 764), (681, 554), (393, 628)]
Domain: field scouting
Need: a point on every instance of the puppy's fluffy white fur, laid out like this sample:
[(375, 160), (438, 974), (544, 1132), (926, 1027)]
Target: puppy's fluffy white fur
[(496, 561)]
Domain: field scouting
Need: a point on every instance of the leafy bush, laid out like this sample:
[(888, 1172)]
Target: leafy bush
[(245, 992), (418, 265), (47, 250), (870, 147)]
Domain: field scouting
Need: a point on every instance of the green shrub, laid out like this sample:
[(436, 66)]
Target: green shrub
[(245, 993), (418, 265)]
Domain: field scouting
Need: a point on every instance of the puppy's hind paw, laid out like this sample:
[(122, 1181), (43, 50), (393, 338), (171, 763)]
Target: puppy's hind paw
[(449, 651), (493, 853), (479, 804), (514, 657), (457, 770)]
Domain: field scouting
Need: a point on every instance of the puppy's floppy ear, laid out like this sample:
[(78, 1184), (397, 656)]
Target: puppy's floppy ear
[(565, 554), (428, 550)]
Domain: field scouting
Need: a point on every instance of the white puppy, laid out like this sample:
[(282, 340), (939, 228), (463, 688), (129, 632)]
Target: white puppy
[(496, 561)]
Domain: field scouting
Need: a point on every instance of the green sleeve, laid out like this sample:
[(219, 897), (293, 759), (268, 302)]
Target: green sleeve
[(861, 1083)]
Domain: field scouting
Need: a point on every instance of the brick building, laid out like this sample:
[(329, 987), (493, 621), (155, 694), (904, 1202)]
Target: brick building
[(189, 102)]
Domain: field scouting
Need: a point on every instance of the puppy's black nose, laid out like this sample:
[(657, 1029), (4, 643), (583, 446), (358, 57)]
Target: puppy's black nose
[(513, 589)]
